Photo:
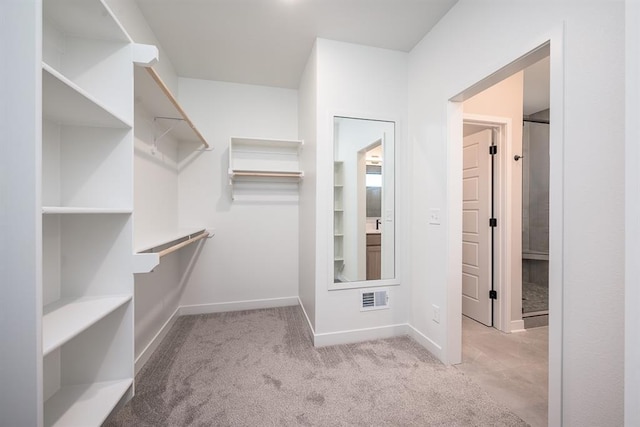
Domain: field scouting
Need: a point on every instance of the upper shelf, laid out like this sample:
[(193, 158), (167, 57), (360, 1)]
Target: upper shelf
[(89, 19), (261, 157), (158, 100), (65, 102)]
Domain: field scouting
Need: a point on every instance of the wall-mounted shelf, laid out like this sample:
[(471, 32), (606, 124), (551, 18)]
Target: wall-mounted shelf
[(264, 169), (338, 219), (169, 116)]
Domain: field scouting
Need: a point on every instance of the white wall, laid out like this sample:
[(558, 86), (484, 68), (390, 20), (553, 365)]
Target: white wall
[(254, 254), (474, 40), (366, 82), (307, 238), (20, 213), (632, 231), (505, 99)]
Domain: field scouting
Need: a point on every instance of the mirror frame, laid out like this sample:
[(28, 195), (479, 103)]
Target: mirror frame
[(396, 280)]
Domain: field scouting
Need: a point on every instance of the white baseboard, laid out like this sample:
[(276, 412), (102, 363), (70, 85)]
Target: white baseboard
[(359, 335), (426, 342), (237, 305), (155, 341), (517, 326), (306, 317)]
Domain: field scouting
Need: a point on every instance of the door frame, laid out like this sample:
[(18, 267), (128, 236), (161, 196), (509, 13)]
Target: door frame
[(550, 44), (503, 250)]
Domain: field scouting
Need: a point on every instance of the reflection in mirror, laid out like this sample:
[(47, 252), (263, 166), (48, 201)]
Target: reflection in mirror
[(364, 193)]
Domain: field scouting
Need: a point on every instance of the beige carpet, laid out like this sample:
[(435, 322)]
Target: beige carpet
[(259, 368)]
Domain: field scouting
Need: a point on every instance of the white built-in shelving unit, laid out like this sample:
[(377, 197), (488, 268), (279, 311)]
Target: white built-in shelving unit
[(264, 169), (87, 205), (338, 218)]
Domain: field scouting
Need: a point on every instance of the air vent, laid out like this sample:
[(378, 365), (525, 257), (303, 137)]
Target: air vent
[(374, 299)]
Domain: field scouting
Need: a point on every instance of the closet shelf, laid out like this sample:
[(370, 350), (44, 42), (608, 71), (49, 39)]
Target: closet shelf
[(262, 169), (66, 318), (85, 404), (53, 210), (65, 102), (171, 242), (157, 99), (97, 21), (265, 145), (236, 174)]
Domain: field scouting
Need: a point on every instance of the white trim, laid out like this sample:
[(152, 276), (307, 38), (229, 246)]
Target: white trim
[(313, 332), (452, 352), (399, 181), (146, 353), (504, 250), (554, 42), (359, 335), (517, 326), (222, 307), (425, 342), (556, 225)]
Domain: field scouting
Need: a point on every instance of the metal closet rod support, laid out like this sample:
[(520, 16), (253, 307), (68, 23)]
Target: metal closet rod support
[(156, 139)]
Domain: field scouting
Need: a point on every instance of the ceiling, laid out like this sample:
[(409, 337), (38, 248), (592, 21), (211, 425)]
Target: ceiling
[(268, 42)]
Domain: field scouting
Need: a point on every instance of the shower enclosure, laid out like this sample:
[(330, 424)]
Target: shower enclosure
[(535, 219)]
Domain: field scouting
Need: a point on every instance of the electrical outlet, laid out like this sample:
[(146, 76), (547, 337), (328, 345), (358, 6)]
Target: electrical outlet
[(436, 313), (434, 216)]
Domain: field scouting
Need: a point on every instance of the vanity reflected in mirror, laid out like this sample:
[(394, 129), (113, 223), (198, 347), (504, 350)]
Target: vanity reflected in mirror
[(364, 201)]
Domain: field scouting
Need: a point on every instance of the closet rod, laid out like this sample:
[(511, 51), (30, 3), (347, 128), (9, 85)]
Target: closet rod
[(163, 87), (182, 244)]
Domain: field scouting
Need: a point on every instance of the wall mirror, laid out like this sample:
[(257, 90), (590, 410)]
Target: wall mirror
[(364, 201)]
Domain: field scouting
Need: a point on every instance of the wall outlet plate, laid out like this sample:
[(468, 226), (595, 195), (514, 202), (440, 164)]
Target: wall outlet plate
[(434, 216)]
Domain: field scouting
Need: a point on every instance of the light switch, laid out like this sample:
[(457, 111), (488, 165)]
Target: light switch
[(434, 216), (389, 215)]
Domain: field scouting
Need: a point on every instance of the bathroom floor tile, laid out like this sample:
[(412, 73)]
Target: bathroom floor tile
[(513, 368)]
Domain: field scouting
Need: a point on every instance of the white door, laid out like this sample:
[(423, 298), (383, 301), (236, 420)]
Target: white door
[(476, 233)]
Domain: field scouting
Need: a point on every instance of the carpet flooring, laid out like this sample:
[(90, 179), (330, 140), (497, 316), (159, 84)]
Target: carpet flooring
[(259, 368)]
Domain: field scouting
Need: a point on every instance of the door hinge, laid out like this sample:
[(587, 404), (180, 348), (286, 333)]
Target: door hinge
[(493, 222), (493, 294), (493, 149)]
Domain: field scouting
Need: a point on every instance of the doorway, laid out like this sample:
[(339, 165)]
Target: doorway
[(512, 208)]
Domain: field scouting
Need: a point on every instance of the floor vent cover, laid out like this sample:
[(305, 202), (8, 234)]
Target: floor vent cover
[(374, 299)]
